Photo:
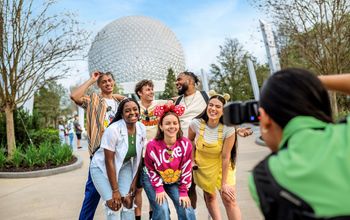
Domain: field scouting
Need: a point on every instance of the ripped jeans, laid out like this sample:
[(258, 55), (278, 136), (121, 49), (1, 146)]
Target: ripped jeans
[(103, 187)]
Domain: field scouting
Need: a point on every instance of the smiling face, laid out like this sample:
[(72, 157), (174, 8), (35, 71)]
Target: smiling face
[(131, 112), (215, 109), (106, 84), (182, 83), (170, 126), (146, 93)]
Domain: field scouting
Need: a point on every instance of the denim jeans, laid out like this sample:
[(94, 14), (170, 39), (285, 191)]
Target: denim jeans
[(71, 138), (161, 212), (104, 188), (91, 200)]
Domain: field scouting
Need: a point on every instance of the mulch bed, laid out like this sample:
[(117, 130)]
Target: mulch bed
[(11, 168)]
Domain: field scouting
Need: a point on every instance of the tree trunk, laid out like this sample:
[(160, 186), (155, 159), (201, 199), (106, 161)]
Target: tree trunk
[(334, 104), (10, 131)]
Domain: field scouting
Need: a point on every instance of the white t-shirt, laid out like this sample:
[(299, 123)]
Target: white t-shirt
[(211, 134), (61, 130), (194, 105), (112, 107)]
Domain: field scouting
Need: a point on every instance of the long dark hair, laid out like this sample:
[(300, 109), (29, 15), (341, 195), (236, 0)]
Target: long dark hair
[(160, 133), (204, 116), (119, 114), (295, 92)]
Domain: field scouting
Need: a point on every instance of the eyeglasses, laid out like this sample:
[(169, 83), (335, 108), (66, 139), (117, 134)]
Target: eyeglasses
[(146, 114)]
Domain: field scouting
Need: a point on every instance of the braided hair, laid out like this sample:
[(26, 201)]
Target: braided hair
[(192, 75), (119, 114)]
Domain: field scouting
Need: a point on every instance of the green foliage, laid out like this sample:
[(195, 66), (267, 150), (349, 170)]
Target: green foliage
[(170, 87), (47, 102), (45, 135), (61, 154), (17, 157), (230, 74), (2, 158), (31, 156), (44, 153)]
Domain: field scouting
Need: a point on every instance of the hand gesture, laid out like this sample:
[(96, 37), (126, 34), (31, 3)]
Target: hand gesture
[(160, 198), (185, 202), (229, 190), (95, 75), (116, 202), (244, 132)]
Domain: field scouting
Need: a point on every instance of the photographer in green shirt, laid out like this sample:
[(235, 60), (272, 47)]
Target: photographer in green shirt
[(307, 176)]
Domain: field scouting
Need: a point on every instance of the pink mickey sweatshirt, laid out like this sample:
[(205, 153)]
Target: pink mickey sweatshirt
[(167, 166)]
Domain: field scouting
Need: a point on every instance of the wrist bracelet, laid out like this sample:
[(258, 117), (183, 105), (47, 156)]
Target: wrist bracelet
[(115, 190)]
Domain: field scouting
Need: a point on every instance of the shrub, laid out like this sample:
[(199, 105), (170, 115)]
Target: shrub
[(2, 158), (45, 135), (31, 156), (17, 158), (61, 154), (44, 153)]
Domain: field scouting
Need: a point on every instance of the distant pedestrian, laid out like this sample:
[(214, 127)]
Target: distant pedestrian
[(70, 131), (78, 130), (61, 132)]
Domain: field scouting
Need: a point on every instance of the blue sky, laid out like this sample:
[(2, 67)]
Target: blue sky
[(200, 25)]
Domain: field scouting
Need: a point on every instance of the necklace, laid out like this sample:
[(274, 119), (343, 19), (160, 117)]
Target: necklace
[(191, 100)]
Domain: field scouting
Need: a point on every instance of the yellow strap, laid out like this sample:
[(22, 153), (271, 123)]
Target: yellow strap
[(220, 133), (202, 128)]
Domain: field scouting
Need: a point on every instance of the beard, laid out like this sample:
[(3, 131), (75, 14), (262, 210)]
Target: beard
[(183, 89)]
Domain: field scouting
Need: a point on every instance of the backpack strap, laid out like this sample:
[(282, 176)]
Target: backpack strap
[(178, 100), (205, 96)]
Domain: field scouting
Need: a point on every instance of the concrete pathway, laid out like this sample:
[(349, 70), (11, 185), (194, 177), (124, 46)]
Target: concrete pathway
[(60, 196)]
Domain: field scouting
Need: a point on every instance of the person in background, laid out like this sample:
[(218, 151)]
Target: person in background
[(307, 174), (115, 165), (100, 111), (214, 155), (78, 130), (169, 166), (61, 132), (70, 131)]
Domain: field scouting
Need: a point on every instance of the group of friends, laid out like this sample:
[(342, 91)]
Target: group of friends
[(168, 147)]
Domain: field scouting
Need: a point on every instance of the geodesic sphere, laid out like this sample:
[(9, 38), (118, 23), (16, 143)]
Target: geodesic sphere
[(135, 48)]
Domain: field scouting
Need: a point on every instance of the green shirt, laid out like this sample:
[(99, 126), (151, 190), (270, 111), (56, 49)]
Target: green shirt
[(315, 166), (131, 148)]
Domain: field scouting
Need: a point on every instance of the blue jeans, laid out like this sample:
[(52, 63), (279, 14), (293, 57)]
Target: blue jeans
[(161, 212), (103, 186), (90, 203), (71, 138)]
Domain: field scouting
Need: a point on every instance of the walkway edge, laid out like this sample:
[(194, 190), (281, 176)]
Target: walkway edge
[(41, 173)]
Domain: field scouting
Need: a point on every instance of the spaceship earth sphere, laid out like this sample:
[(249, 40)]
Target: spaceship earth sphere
[(135, 48)]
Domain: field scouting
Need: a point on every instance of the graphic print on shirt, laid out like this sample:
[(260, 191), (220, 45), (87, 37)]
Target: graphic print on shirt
[(168, 167), (112, 107)]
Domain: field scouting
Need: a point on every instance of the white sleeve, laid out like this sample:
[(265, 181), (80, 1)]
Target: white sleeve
[(109, 139), (228, 131), (195, 124)]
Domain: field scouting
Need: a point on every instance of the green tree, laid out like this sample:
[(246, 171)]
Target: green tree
[(47, 102), (312, 34), (34, 47), (230, 74), (170, 87)]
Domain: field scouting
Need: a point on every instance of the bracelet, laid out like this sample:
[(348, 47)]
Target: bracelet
[(115, 190)]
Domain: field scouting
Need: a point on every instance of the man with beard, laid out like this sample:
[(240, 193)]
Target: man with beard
[(195, 102), (100, 111)]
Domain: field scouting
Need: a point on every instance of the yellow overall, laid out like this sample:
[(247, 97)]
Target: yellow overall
[(209, 160)]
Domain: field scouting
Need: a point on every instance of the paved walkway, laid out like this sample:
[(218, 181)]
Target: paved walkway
[(60, 196)]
